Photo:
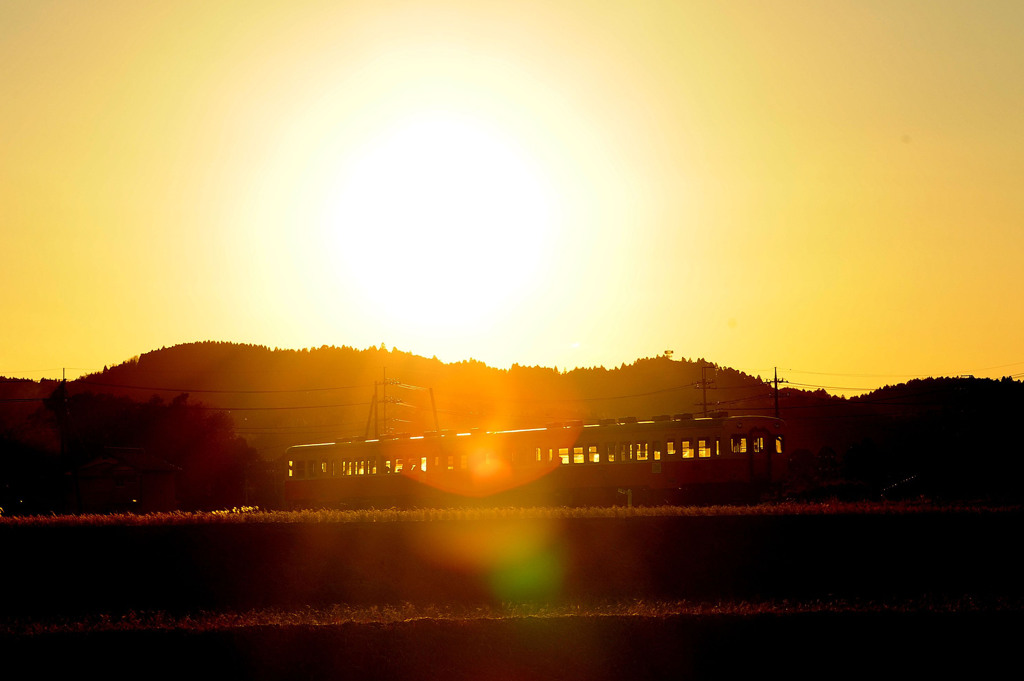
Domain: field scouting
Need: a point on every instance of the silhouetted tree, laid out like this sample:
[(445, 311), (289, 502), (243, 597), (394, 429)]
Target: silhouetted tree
[(198, 440)]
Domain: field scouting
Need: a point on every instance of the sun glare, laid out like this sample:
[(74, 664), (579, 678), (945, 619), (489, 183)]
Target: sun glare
[(439, 219)]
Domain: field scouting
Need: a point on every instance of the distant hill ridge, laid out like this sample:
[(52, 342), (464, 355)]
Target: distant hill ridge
[(279, 397)]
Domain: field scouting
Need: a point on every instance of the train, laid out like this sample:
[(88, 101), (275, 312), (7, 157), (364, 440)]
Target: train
[(666, 459)]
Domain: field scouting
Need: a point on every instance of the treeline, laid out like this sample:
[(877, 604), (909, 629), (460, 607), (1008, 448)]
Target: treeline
[(942, 438), (43, 458), (208, 408), (282, 397)]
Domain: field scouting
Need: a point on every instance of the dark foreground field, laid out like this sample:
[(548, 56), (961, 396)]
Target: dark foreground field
[(810, 645), (807, 595)]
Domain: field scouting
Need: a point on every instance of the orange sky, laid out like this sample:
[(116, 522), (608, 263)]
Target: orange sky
[(829, 187)]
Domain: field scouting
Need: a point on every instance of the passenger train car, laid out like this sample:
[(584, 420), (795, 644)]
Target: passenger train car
[(667, 459)]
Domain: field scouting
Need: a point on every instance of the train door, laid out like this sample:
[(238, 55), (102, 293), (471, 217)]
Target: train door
[(762, 445)]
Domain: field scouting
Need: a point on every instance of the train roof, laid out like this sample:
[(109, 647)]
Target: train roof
[(679, 420)]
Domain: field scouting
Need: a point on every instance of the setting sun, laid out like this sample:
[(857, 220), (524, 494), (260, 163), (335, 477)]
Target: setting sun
[(439, 220)]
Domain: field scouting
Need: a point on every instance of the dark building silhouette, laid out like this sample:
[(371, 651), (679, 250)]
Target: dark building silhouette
[(125, 479)]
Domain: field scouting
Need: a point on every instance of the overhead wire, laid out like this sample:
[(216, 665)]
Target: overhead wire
[(827, 387), (221, 391)]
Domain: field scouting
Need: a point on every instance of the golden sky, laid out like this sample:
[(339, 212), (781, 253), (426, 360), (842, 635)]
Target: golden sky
[(830, 187)]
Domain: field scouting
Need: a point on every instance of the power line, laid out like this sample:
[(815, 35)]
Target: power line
[(310, 406), (848, 375), (210, 390), (828, 387)]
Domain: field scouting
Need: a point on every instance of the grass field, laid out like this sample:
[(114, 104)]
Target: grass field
[(800, 590), (706, 644), (252, 514)]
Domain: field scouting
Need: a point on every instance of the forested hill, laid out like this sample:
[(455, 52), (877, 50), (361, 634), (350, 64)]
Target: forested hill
[(946, 437), (283, 397)]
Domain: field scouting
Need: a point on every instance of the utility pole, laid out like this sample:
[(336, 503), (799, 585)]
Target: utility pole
[(63, 418), (433, 407), (372, 416), (704, 385), (383, 402), (777, 381)]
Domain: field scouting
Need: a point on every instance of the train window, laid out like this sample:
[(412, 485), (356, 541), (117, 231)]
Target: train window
[(291, 469), (641, 451), (399, 464), (686, 449), (577, 455), (670, 448), (423, 463), (703, 451), (739, 444), (538, 454), (593, 454), (609, 452), (563, 454), (778, 444), (451, 463), (657, 451), (323, 467)]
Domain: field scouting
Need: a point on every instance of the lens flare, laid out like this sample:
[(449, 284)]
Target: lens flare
[(536, 573), (516, 561)]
